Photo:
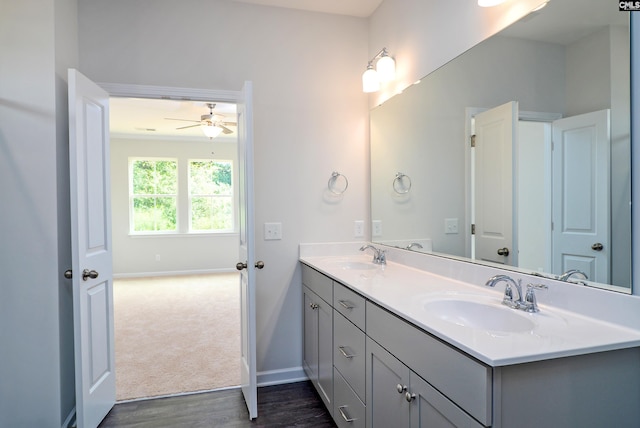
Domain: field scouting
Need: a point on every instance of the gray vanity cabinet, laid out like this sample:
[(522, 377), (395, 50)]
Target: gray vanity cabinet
[(318, 333), (399, 397)]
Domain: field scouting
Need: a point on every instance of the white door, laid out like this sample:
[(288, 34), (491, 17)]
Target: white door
[(247, 253), (581, 177), (91, 248), (495, 136)]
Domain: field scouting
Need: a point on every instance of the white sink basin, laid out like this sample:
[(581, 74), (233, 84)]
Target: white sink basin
[(480, 315), (357, 265)]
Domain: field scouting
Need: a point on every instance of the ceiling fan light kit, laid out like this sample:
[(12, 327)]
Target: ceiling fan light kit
[(211, 124)]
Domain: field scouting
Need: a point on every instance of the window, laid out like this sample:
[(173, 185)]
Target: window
[(153, 195), (180, 196), (210, 196)]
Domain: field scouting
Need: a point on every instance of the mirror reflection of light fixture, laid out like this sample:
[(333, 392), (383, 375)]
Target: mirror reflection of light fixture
[(489, 3), (210, 129), (385, 71)]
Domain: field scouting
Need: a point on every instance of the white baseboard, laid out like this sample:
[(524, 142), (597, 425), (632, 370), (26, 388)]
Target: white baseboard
[(171, 273), (282, 376)]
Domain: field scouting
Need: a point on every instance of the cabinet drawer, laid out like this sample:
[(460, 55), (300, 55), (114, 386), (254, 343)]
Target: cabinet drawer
[(349, 352), (462, 379), (318, 283), (349, 411), (350, 304)]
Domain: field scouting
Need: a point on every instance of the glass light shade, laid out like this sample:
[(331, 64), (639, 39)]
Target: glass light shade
[(210, 130), (489, 3), (386, 68), (370, 80)]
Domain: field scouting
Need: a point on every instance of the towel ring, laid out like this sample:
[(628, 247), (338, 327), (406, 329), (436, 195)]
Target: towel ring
[(338, 183), (402, 183)]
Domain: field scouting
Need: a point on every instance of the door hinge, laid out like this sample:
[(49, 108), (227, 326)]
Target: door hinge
[(473, 229), (473, 140)]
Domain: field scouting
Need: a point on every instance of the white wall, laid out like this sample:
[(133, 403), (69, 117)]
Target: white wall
[(38, 42), (135, 255)]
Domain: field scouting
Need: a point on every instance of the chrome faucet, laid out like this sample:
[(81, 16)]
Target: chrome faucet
[(412, 246), (379, 256), (508, 298), (568, 274)]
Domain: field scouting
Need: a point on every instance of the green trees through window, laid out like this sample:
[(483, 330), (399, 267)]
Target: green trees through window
[(156, 196), (210, 194)]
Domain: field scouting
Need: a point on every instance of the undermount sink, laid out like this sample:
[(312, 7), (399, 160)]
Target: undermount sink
[(356, 265), (479, 315)]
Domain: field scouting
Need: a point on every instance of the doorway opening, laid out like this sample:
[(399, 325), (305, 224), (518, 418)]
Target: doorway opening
[(176, 291)]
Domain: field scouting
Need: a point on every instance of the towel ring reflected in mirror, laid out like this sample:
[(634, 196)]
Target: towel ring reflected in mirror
[(402, 183), (338, 183)]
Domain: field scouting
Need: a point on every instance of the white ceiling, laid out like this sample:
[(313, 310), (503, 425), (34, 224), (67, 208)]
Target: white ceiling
[(140, 117), (359, 8)]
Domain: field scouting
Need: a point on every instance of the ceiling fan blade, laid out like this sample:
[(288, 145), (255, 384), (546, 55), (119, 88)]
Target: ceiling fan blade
[(229, 123), (183, 120), (225, 130), (189, 126)]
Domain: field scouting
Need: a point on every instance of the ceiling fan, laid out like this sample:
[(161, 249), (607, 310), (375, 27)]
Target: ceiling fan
[(212, 124)]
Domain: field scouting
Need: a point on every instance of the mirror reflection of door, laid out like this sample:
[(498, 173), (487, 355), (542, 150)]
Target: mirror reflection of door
[(581, 183), (495, 136)]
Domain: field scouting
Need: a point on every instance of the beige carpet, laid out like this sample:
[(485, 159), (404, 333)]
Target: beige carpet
[(176, 334)]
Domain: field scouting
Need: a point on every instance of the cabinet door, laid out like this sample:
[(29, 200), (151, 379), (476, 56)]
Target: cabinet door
[(325, 353), (430, 409), (318, 345), (310, 351), (387, 385)]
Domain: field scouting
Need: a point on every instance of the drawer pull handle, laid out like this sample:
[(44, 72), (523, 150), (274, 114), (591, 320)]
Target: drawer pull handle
[(344, 415), (401, 388), (344, 353), (346, 304)]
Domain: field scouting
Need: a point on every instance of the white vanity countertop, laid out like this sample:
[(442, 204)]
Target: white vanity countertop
[(403, 290)]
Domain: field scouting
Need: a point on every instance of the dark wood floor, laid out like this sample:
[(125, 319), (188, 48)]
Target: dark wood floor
[(289, 405)]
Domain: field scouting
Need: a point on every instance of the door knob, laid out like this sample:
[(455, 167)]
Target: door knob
[(240, 265), (86, 274), (503, 251), (597, 246)]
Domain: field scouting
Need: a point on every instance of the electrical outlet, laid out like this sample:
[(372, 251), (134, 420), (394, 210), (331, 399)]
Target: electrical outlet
[(376, 227), (157, 257), (450, 226), (272, 231), (358, 228)]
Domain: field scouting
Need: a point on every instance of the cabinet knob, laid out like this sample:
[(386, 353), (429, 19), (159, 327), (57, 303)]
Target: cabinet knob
[(401, 388), (313, 305), (409, 397)]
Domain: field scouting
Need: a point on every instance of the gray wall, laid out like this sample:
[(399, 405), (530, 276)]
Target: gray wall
[(38, 42)]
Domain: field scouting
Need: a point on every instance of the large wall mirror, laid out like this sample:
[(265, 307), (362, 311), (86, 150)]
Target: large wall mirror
[(547, 185)]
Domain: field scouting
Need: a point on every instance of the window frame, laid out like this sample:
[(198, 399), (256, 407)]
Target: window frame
[(230, 196)]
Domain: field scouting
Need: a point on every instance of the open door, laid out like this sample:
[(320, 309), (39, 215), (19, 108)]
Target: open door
[(581, 194), (495, 136), (247, 260), (92, 270)]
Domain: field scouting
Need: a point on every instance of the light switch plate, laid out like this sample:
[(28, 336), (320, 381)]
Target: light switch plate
[(272, 231), (376, 227), (450, 226)]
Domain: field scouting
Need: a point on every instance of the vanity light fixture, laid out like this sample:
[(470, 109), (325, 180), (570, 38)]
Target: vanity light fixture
[(384, 71), (489, 3)]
